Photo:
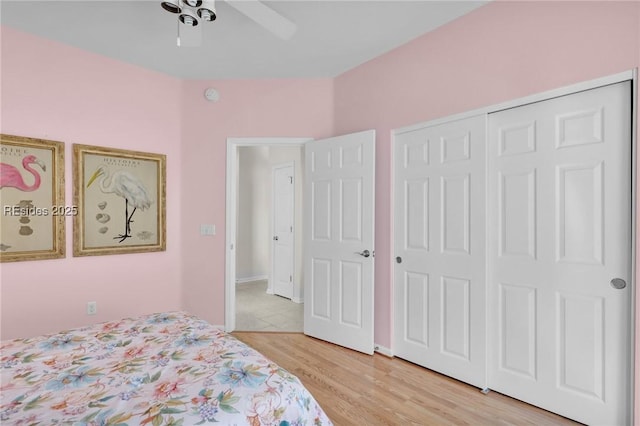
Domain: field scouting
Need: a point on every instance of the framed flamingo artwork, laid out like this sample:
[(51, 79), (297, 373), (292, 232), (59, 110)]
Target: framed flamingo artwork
[(32, 222), (120, 195)]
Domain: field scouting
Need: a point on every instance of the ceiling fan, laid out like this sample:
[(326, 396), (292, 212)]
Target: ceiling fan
[(191, 12)]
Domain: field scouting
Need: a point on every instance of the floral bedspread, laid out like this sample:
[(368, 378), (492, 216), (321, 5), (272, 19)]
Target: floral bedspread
[(160, 369)]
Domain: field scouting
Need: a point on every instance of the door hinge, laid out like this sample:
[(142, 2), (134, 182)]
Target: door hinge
[(290, 278), (291, 179)]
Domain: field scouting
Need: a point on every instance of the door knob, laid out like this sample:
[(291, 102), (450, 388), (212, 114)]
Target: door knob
[(398, 259), (618, 283), (275, 238), (365, 253)]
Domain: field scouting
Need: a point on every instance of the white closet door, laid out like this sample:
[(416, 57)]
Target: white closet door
[(439, 290), (560, 231)]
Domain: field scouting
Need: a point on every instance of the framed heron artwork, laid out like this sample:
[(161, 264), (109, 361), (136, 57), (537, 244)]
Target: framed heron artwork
[(32, 221), (120, 195)]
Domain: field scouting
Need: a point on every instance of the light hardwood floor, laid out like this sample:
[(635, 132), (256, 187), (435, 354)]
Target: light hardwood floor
[(358, 389)]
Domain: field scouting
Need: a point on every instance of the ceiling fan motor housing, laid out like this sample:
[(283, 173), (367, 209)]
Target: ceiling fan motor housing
[(190, 10)]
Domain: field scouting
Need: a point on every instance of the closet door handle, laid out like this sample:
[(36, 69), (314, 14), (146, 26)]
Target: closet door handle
[(618, 283), (275, 238)]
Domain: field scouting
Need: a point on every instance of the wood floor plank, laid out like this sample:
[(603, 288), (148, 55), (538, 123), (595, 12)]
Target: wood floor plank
[(358, 389)]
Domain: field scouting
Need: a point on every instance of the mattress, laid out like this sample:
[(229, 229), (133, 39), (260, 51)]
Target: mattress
[(160, 369)]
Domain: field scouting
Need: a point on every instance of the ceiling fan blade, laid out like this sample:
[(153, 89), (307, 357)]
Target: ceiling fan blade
[(268, 18)]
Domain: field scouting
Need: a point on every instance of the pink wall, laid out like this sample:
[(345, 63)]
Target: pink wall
[(80, 97), (247, 108), (57, 92), (502, 51)]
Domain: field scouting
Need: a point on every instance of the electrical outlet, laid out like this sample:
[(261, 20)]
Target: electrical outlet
[(92, 308)]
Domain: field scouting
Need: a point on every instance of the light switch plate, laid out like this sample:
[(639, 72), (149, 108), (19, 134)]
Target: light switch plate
[(207, 229)]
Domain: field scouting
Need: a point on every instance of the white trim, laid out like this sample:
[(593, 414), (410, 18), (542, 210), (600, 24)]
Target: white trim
[(230, 219), (250, 279), (634, 229), (549, 94), (297, 300), (383, 351), (284, 141), (487, 270), (392, 244)]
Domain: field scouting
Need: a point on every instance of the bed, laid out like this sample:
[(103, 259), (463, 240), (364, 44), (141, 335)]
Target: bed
[(160, 369)]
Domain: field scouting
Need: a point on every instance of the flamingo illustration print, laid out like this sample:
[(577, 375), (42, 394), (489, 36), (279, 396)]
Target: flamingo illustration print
[(11, 177), (127, 186)]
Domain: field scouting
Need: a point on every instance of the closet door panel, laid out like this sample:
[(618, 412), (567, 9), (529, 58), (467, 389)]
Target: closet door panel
[(440, 232), (559, 174)]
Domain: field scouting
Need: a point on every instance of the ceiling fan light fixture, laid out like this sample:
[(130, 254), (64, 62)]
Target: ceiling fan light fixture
[(193, 3), (187, 17), (208, 11), (172, 6)]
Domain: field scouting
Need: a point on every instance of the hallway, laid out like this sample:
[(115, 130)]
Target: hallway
[(258, 311)]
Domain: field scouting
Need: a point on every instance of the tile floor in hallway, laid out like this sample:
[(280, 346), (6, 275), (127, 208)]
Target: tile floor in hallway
[(258, 311)]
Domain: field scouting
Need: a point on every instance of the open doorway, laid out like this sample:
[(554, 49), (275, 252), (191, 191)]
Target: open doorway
[(256, 240)]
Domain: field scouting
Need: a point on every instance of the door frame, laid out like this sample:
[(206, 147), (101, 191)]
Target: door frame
[(271, 285), (634, 356), (231, 211)]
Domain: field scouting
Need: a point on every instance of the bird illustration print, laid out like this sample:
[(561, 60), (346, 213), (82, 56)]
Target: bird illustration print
[(127, 186), (11, 177)]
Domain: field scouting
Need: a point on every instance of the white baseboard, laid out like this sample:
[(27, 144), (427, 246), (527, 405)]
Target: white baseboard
[(249, 279), (297, 300), (383, 351)]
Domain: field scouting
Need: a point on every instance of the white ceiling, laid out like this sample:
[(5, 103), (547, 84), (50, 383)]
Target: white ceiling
[(332, 36)]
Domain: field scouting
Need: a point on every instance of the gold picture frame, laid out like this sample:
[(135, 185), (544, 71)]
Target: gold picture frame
[(121, 197), (32, 221)]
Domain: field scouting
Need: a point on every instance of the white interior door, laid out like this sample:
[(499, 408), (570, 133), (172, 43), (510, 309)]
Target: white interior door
[(283, 230), (560, 228), (339, 238), (439, 290)]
